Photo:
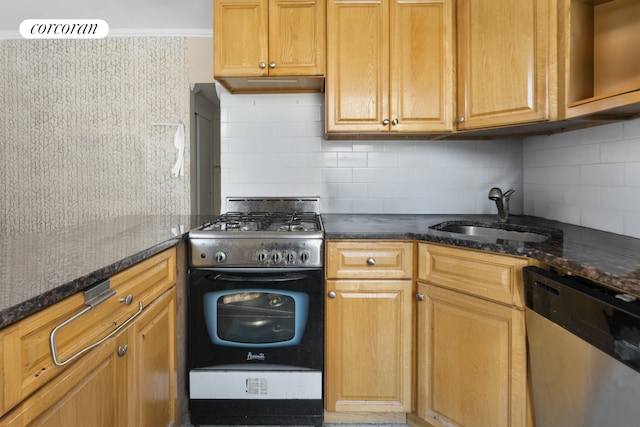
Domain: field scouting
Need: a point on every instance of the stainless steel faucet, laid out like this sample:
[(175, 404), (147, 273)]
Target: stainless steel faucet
[(502, 202)]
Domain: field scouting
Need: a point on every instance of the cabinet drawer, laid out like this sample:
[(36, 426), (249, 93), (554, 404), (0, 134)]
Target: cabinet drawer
[(369, 260), (26, 359), (491, 276)]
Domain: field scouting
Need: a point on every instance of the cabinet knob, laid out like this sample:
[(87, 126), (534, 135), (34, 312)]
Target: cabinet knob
[(127, 300), (371, 261), (272, 64), (460, 120), (331, 294), (122, 350), (420, 297), (263, 65), (394, 122), (385, 122)]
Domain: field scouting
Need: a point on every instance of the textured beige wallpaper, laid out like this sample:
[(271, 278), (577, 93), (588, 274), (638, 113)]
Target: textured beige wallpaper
[(77, 140)]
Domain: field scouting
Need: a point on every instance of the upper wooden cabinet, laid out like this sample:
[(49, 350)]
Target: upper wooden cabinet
[(389, 66), (504, 57), (258, 42), (599, 57)]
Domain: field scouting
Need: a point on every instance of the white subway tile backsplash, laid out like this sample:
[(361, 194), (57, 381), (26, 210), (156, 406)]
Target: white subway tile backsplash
[(383, 160), (352, 160), (632, 174), (563, 213), (368, 175), (631, 129), (603, 219), (584, 197), (632, 224), (368, 205), (602, 174), (338, 175), (621, 198), (590, 176), (352, 190), (597, 171), (321, 160), (399, 175)]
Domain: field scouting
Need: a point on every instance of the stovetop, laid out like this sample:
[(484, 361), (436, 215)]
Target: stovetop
[(261, 232), (265, 221)]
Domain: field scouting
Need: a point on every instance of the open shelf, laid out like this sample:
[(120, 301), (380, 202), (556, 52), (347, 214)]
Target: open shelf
[(603, 55)]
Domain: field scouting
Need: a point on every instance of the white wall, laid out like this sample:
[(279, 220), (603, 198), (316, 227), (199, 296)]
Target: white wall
[(273, 146), (589, 177)]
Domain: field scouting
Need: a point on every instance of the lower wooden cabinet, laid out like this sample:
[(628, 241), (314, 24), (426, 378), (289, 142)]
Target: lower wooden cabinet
[(369, 330), (129, 379), (151, 370), (471, 360), (471, 364), (86, 395)]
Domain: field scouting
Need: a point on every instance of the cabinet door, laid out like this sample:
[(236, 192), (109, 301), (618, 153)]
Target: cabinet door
[(296, 37), (90, 394), (471, 361), (368, 351), (152, 364), (357, 83), (421, 65), (503, 62), (240, 38)]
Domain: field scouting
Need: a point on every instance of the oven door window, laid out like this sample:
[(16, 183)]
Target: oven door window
[(256, 317)]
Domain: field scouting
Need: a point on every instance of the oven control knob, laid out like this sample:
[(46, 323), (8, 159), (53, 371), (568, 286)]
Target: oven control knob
[(305, 256), (276, 257), (220, 257), (290, 257), (262, 256)]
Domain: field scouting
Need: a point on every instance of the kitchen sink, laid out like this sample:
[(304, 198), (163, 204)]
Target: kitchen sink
[(494, 231)]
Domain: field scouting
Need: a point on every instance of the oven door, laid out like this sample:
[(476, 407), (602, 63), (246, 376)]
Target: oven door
[(256, 317)]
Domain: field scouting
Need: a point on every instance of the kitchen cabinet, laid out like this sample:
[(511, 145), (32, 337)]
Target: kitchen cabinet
[(599, 58), (369, 328), (389, 66), (151, 370), (506, 59), (269, 45), (126, 379), (471, 349)]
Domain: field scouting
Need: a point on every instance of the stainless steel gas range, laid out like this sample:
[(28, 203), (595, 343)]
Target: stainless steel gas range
[(256, 314)]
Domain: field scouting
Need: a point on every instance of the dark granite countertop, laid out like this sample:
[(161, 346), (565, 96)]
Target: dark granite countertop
[(40, 269), (611, 259)]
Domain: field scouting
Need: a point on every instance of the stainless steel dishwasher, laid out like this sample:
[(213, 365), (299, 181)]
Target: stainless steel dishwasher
[(584, 352)]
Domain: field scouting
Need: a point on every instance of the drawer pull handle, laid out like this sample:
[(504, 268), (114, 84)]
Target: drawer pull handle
[(420, 297), (127, 300), (52, 337), (371, 261), (332, 294)]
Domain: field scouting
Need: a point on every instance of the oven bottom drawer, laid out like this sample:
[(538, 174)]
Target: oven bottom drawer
[(229, 412), (268, 383)]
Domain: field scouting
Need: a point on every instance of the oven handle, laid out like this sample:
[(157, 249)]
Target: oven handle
[(288, 277)]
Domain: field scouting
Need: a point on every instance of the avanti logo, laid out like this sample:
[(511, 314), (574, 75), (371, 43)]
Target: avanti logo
[(64, 29), (259, 356)]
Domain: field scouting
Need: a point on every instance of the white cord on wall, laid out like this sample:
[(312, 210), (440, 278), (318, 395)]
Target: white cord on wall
[(179, 143)]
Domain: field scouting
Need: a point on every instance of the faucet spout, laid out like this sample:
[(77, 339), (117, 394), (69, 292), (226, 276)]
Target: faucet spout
[(502, 202)]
